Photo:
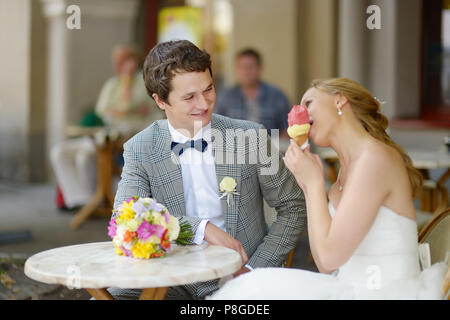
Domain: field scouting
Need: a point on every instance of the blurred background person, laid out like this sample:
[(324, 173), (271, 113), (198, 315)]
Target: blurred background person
[(123, 104), (252, 98), (123, 101)]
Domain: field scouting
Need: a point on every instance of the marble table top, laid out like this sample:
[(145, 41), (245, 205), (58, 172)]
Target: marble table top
[(95, 265)]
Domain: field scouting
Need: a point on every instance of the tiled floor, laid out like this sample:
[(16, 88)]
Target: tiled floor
[(32, 208)]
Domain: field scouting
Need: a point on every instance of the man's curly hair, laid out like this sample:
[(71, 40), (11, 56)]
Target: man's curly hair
[(168, 58)]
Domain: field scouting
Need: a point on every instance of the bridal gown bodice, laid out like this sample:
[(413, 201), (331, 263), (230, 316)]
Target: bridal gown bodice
[(385, 265), (389, 252)]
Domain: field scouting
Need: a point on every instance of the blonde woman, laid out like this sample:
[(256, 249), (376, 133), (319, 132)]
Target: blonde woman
[(363, 233)]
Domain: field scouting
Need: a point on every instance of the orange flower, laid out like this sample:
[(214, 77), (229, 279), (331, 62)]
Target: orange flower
[(165, 244), (156, 255), (129, 236), (164, 240)]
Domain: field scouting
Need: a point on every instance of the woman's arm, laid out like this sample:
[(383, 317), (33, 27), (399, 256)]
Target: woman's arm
[(333, 241), (365, 190), (312, 243)]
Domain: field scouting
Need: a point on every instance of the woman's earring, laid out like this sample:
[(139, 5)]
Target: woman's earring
[(339, 109)]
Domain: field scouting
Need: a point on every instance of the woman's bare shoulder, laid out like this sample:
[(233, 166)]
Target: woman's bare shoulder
[(382, 165), (391, 169), (382, 156)]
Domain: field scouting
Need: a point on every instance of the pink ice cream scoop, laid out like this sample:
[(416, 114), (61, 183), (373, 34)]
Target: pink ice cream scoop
[(298, 120)]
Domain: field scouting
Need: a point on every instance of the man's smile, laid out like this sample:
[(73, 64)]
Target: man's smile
[(200, 114)]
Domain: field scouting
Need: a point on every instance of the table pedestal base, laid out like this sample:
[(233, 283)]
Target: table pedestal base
[(153, 294), (100, 294), (103, 192), (147, 294)]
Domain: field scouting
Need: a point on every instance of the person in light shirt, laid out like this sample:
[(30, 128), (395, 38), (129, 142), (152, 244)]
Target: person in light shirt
[(183, 161), (123, 101)]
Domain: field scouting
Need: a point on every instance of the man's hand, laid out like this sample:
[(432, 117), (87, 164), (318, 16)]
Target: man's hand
[(215, 235)]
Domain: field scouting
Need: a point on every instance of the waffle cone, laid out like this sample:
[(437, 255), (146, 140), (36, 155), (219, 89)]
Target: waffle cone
[(301, 139)]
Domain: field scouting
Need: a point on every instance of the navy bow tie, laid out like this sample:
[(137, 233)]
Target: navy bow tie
[(178, 147)]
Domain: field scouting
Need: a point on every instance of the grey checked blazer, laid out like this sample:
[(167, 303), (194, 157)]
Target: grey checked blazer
[(150, 171)]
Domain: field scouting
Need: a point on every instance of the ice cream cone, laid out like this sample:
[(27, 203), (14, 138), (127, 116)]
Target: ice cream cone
[(301, 139)]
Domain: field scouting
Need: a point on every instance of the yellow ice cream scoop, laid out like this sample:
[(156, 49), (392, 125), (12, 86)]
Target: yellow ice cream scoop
[(298, 129)]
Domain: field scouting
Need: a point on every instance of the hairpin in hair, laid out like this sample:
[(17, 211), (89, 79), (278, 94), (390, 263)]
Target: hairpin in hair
[(379, 101)]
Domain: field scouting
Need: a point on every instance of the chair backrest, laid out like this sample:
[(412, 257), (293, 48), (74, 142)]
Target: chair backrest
[(437, 233)]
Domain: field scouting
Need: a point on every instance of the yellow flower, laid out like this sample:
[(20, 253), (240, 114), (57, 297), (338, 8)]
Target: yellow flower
[(133, 224), (154, 217), (159, 219), (154, 239), (148, 216), (227, 184), (174, 228), (118, 251), (127, 214), (142, 250)]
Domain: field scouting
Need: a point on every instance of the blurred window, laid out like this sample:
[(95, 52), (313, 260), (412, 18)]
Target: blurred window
[(436, 60)]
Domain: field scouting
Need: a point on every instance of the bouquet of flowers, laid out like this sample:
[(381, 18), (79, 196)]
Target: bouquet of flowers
[(144, 229)]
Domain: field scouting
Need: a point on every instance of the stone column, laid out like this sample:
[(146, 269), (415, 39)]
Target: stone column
[(353, 44), (317, 41), (386, 61), (15, 35), (57, 70)]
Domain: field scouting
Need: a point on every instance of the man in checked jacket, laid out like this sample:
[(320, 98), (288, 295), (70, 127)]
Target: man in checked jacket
[(181, 161)]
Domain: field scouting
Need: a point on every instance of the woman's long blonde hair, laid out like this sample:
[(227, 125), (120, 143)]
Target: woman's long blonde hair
[(367, 110)]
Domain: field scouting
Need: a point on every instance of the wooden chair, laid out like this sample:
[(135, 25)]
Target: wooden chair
[(446, 286), (433, 196), (437, 234), (289, 259)]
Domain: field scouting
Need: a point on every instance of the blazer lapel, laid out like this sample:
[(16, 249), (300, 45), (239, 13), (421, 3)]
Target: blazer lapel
[(226, 166), (169, 171)]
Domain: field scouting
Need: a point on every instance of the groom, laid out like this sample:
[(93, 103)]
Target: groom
[(181, 161)]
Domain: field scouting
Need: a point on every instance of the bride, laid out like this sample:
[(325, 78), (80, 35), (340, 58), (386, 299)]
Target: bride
[(363, 234)]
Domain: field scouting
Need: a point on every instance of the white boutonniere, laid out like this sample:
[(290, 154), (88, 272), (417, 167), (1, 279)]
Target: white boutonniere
[(228, 188)]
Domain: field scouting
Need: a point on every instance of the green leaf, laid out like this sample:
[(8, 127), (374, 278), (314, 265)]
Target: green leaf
[(185, 236)]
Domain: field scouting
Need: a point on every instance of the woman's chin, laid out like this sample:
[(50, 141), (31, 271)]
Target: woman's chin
[(319, 142)]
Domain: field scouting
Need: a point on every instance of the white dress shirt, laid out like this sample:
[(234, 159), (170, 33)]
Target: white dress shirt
[(201, 192)]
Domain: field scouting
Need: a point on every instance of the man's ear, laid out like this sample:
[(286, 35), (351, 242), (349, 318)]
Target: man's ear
[(161, 104)]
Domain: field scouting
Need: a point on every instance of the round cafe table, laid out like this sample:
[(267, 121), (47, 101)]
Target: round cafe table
[(95, 267)]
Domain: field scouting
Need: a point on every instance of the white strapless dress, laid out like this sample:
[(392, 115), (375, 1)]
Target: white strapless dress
[(384, 266)]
